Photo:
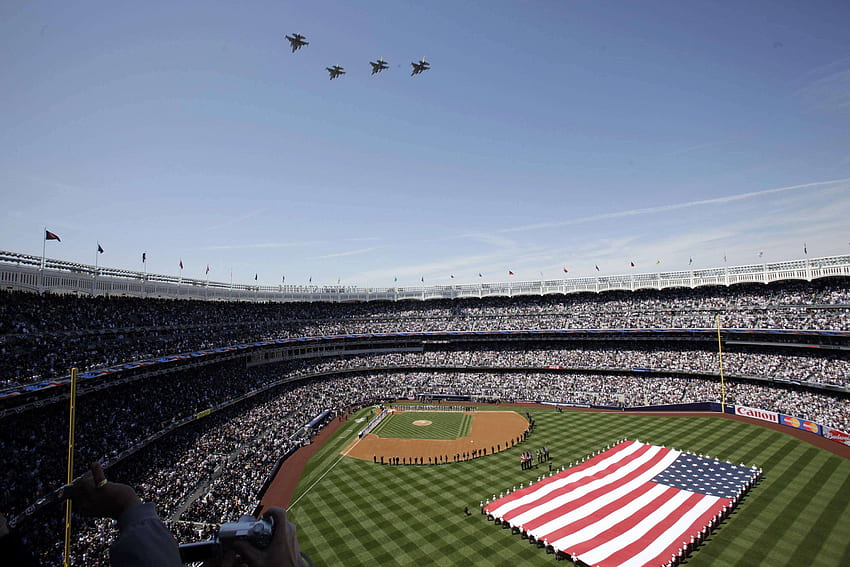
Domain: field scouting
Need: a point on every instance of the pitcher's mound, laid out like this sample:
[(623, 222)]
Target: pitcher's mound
[(422, 422)]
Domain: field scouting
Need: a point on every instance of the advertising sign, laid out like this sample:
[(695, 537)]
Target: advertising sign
[(756, 413), (837, 435), (798, 423)]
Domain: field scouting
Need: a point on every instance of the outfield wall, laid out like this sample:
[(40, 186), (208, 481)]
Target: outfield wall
[(793, 422), (755, 413)]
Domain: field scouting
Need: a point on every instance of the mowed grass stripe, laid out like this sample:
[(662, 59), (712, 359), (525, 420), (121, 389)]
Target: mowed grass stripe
[(764, 498), (832, 509), (444, 425), (787, 499), (403, 531), (463, 426), (367, 514)]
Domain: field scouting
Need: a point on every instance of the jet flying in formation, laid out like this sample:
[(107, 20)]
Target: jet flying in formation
[(419, 67), (335, 71), (296, 40), (378, 66)]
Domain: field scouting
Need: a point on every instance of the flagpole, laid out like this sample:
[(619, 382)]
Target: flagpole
[(43, 252), (94, 276), (720, 356), (70, 477)]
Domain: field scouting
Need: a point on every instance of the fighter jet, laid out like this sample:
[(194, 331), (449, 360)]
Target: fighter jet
[(296, 40), (335, 71), (419, 67), (379, 66)]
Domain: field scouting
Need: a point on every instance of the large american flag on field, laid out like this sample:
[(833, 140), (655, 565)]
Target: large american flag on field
[(634, 504)]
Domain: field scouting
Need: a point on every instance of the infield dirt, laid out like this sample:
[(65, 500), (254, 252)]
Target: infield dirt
[(488, 430)]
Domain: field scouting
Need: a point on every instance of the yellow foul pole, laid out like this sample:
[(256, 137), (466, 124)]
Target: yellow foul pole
[(720, 355), (71, 422)]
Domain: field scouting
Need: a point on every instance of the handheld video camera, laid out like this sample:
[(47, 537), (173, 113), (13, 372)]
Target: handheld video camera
[(256, 532)]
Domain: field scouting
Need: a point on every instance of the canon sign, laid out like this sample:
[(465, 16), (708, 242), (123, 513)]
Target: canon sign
[(757, 413)]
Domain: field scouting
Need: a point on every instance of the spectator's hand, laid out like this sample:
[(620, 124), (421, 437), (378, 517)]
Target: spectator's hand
[(283, 551), (94, 496)]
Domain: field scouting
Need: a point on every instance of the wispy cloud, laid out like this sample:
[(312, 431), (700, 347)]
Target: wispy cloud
[(827, 87), (363, 239), (351, 252), (308, 243), (673, 207), (57, 185), (256, 245), (433, 270), (690, 149), (236, 220), (491, 239)]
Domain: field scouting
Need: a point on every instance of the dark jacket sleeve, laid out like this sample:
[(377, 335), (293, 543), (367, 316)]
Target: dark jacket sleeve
[(13, 550), (144, 540)]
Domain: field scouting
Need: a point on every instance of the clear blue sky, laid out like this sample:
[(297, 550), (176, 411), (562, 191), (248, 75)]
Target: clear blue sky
[(546, 135)]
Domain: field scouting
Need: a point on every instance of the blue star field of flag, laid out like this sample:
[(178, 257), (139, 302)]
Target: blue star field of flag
[(705, 476)]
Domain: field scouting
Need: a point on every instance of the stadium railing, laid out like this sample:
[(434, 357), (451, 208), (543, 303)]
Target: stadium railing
[(22, 271)]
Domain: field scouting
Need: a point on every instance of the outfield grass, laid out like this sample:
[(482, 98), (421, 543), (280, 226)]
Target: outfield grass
[(360, 513), (444, 425)]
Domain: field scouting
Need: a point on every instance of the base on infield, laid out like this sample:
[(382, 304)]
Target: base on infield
[(492, 431)]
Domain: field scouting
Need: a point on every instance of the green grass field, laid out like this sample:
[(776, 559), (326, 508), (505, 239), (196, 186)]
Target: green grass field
[(444, 425), (360, 513)]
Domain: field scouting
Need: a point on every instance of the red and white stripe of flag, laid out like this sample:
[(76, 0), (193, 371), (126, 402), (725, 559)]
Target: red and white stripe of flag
[(607, 511)]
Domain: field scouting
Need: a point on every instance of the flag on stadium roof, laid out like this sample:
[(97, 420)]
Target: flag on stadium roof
[(634, 504), (144, 257), (99, 248), (181, 263), (805, 248), (480, 275), (566, 271), (691, 261), (208, 269), (633, 264), (657, 262), (510, 273), (597, 267), (51, 236)]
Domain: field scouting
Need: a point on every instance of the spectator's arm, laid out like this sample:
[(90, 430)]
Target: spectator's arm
[(144, 540)]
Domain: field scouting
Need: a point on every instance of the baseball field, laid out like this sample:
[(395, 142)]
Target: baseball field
[(353, 512)]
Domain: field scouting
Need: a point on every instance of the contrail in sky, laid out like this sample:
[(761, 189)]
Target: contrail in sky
[(673, 207)]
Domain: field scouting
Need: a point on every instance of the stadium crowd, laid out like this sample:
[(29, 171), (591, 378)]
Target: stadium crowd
[(41, 336), (819, 368), (211, 471), (201, 472)]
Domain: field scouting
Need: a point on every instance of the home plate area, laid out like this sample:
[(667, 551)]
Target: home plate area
[(632, 504)]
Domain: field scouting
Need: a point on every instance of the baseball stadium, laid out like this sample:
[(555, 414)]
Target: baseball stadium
[(442, 425)]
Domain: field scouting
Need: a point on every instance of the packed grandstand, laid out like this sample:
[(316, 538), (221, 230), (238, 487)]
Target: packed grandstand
[(251, 377)]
